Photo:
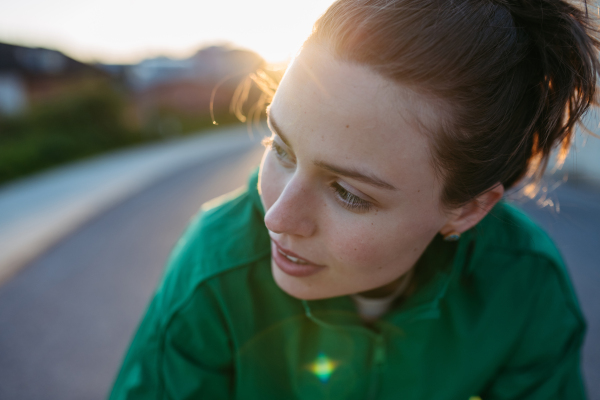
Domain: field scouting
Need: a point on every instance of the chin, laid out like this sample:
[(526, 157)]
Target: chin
[(306, 288)]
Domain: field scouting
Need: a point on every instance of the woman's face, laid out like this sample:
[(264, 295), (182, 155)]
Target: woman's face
[(349, 192)]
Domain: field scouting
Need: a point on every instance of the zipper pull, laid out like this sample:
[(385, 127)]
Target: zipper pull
[(379, 351)]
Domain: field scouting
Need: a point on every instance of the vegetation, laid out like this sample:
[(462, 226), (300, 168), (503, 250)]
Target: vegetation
[(93, 119), (73, 126)]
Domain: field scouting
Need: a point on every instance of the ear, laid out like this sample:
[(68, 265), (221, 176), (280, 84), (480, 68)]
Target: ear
[(468, 215)]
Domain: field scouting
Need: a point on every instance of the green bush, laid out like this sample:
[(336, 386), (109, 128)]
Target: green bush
[(74, 126)]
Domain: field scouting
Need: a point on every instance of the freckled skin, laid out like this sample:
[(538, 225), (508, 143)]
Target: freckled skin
[(361, 250)]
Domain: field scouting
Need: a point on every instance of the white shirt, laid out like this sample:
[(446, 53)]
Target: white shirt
[(370, 309)]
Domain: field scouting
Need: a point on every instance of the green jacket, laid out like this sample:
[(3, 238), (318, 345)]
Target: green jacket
[(494, 316)]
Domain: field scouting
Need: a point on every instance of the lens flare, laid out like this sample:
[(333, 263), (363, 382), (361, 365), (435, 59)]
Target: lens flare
[(323, 367)]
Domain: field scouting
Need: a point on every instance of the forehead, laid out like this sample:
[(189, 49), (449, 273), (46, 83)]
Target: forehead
[(347, 114)]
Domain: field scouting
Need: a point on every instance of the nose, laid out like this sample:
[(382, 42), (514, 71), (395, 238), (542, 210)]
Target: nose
[(293, 212)]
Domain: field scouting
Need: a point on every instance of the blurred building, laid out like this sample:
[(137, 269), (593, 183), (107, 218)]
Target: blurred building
[(183, 88), (13, 94), (36, 74)]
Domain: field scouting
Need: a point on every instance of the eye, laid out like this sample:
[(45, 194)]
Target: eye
[(279, 151), (282, 155), (349, 200)]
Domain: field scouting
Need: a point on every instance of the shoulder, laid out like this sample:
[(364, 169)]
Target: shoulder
[(521, 307), (508, 239), (227, 234), (513, 261), (507, 228)]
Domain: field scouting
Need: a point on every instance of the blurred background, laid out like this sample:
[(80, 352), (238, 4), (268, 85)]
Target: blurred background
[(118, 119)]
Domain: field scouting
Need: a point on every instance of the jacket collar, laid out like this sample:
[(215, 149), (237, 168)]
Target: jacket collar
[(440, 265)]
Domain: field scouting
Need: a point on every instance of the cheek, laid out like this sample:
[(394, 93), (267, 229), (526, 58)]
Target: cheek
[(377, 246), (357, 246)]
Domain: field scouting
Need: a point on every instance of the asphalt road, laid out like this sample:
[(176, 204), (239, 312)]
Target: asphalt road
[(68, 317)]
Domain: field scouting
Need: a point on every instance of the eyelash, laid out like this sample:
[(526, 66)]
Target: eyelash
[(350, 201), (347, 199), (280, 153)]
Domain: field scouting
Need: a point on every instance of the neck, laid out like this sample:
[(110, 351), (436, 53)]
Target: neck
[(385, 290)]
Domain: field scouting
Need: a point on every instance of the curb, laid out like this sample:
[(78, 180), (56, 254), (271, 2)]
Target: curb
[(38, 211)]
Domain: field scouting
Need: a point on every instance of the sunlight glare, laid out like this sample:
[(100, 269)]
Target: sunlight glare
[(323, 367), (128, 30)]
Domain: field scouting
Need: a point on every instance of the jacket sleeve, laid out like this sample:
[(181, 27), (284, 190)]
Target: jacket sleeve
[(545, 364), (182, 355)]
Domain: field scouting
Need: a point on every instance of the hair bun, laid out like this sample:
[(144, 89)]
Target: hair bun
[(564, 47)]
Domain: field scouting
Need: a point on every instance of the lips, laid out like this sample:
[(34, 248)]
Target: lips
[(291, 263)]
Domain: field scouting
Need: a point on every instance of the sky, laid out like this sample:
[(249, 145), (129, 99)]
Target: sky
[(127, 31)]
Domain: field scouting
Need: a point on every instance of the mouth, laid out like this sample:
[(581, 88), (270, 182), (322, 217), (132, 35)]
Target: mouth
[(291, 263), (293, 259)]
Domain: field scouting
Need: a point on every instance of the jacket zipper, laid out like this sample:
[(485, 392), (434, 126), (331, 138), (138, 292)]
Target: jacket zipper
[(377, 364)]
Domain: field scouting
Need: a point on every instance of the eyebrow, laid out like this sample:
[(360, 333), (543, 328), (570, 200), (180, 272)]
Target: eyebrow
[(347, 172)]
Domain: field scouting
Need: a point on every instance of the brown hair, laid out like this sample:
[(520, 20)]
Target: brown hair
[(515, 76)]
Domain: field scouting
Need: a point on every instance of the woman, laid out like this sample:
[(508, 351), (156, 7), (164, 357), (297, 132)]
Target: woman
[(372, 257)]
